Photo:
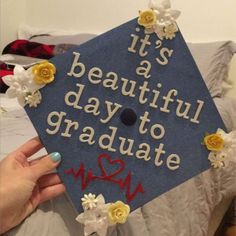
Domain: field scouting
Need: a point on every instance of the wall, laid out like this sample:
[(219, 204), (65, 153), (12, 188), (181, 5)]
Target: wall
[(202, 20), (12, 12)]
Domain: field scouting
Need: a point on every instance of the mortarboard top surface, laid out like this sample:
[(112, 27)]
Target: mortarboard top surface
[(128, 113)]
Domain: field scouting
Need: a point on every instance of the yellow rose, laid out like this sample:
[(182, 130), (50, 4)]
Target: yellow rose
[(214, 142), (118, 212), (44, 72), (147, 18)]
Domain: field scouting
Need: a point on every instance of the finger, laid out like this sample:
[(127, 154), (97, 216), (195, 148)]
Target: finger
[(29, 148), (36, 160), (51, 192), (49, 180), (44, 165)]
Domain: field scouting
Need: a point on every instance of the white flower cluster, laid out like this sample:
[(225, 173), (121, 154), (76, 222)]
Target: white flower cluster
[(165, 26), (89, 201), (23, 87), (94, 216), (98, 216), (227, 154)]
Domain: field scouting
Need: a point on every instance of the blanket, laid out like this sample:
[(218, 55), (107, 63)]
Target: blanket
[(183, 211)]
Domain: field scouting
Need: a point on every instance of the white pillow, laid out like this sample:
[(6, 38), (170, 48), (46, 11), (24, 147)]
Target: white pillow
[(213, 60)]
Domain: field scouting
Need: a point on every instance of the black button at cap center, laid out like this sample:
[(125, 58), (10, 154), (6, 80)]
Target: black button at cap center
[(128, 117)]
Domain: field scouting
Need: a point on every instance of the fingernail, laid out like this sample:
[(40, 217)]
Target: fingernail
[(55, 156)]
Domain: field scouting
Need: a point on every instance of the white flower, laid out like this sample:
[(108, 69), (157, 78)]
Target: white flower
[(170, 30), (217, 159), (165, 26), (95, 219), (33, 99), (20, 84), (157, 29), (165, 14), (229, 139), (89, 201)]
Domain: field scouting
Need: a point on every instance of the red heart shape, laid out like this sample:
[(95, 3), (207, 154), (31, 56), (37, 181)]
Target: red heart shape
[(119, 163)]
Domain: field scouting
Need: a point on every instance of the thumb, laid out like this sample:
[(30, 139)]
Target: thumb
[(45, 165)]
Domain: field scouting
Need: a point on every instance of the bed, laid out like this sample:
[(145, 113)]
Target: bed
[(196, 207)]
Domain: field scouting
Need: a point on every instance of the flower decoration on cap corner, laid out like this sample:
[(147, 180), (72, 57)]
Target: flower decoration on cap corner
[(222, 146), (89, 201), (98, 215), (159, 19), (24, 84), (118, 212), (43, 72)]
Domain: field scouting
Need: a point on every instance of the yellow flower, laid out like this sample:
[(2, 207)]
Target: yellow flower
[(147, 18), (43, 72), (214, 142), (118, 212)]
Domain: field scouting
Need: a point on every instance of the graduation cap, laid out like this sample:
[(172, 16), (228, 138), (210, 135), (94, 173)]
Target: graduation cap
[(128, 111)]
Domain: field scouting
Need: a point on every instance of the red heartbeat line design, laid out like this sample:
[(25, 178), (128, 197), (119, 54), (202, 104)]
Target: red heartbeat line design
[(124, 184)]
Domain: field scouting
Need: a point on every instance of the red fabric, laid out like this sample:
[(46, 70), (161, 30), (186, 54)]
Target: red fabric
[(24, 48), (5, 72), (30, 49)]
